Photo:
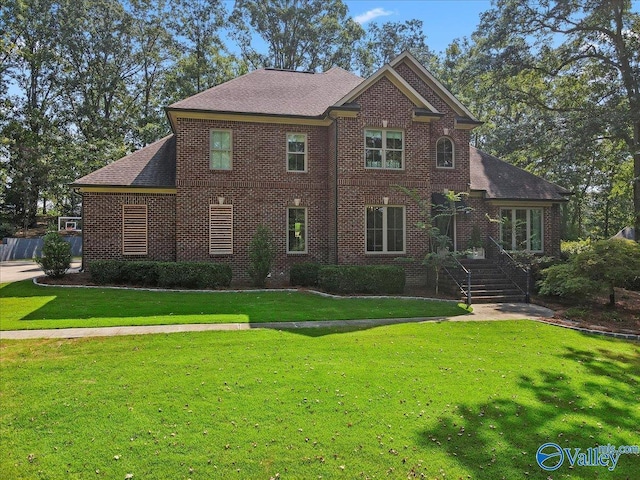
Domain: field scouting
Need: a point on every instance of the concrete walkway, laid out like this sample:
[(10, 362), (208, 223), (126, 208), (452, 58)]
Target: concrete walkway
[(481, 312), (16, 270)]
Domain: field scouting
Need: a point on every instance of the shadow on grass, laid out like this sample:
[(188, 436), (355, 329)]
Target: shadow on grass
[(499, 438)]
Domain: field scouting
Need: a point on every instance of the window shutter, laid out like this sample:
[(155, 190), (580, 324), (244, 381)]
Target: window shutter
[(220, 229), (134, 230)]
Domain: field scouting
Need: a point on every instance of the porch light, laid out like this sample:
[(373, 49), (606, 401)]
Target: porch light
[(221, 200)]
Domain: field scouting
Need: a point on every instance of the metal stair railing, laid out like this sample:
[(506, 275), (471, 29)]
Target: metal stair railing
[(467, 274), (519, 276)]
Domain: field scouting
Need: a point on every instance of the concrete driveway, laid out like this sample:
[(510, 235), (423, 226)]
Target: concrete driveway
[(16, 270)]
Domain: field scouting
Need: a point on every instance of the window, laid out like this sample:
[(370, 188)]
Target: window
[(297, 230), (384, 149), (134, 230), (220, 143), (444, 153), (385, 229), (296, 152), (521, 229), (220, 229)]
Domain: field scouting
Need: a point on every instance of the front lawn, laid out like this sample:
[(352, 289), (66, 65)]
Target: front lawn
[(453, 400), (28, 306)]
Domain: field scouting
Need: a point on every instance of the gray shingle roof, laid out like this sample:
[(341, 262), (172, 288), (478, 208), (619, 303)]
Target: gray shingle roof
[(501, 180), (275, 92), (151, 166)]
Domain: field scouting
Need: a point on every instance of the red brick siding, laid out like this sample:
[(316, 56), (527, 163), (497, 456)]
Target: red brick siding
[(102, 226)]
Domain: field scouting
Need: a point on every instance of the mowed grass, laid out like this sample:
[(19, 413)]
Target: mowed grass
[(433, 400), (24, 305)]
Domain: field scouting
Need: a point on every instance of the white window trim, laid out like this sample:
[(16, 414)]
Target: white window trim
[(513, 225), (211, 150), (383, 150), (453, 153), (384, 231), (135, 237), (306, 232), (221, 234), (306, 152)]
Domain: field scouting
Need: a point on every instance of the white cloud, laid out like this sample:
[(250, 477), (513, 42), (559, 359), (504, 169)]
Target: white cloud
[(371, 14)]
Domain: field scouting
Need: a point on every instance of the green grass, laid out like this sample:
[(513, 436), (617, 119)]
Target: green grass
[(28, 306), (452, 400)]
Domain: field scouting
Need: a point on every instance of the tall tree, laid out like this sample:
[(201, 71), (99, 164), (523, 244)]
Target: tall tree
[(300, 34), (573, 43), (382, 43)]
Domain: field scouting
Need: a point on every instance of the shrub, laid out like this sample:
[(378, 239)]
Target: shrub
[(193, 275), (304, 274), (104, 272), (6, 230), (56, 255), (379, 279), (261, 255), (162, 274)]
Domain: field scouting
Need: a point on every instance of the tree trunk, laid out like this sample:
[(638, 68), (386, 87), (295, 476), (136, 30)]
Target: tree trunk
[(636, 179)]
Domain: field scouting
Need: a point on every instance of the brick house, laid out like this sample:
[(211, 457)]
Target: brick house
[(315, 157)]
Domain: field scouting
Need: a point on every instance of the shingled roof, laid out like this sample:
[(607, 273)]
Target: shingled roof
[(501, 180), (275, 92), (151, 166)]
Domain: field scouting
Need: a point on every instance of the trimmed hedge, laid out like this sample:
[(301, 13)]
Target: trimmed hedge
[(378, 279), (304, 274), (161, 274)]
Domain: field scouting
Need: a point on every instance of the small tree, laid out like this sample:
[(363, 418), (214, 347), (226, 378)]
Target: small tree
[(56, 254), (437, 254), (261, 255)]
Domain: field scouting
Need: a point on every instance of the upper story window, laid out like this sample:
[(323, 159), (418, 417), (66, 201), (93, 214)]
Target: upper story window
[(444, 153), (384, 149), (296, 152), (220, 143)]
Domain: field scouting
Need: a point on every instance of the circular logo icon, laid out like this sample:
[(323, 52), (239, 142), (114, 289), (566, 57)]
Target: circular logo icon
[(549, 456)]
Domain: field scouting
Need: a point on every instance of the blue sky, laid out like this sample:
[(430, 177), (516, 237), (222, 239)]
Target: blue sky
[(443, 20)]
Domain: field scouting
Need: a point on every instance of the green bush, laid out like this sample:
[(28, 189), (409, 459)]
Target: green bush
[(377, 279), (56, 255), (261, 255), (304, 274), (193, 275), (105, 272), (161, 274), (6, 230)]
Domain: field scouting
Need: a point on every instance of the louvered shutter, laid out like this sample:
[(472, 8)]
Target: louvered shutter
[(134, 230), (220, 229)]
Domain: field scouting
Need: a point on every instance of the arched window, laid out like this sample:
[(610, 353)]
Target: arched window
[(444, 153)]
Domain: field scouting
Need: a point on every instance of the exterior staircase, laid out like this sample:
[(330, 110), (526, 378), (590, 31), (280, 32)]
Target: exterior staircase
[(489, 284)]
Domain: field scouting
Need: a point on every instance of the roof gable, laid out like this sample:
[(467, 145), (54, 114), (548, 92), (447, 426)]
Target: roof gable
[(502, 181), (399, 82), (433, 83)]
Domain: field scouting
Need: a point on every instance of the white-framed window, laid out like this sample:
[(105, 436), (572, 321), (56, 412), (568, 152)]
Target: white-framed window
[(296, 152), (134, 230), (445, 153), (296, 230), (384, 149), (220, 144), (385, 229), (220, 229), (522, 229)]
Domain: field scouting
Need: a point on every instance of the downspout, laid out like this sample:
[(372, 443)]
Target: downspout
[(336, 189)]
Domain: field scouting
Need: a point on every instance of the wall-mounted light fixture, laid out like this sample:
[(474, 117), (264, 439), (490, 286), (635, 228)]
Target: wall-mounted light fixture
[(221, 200), (385, 200), (296, 202), (384, 123)]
